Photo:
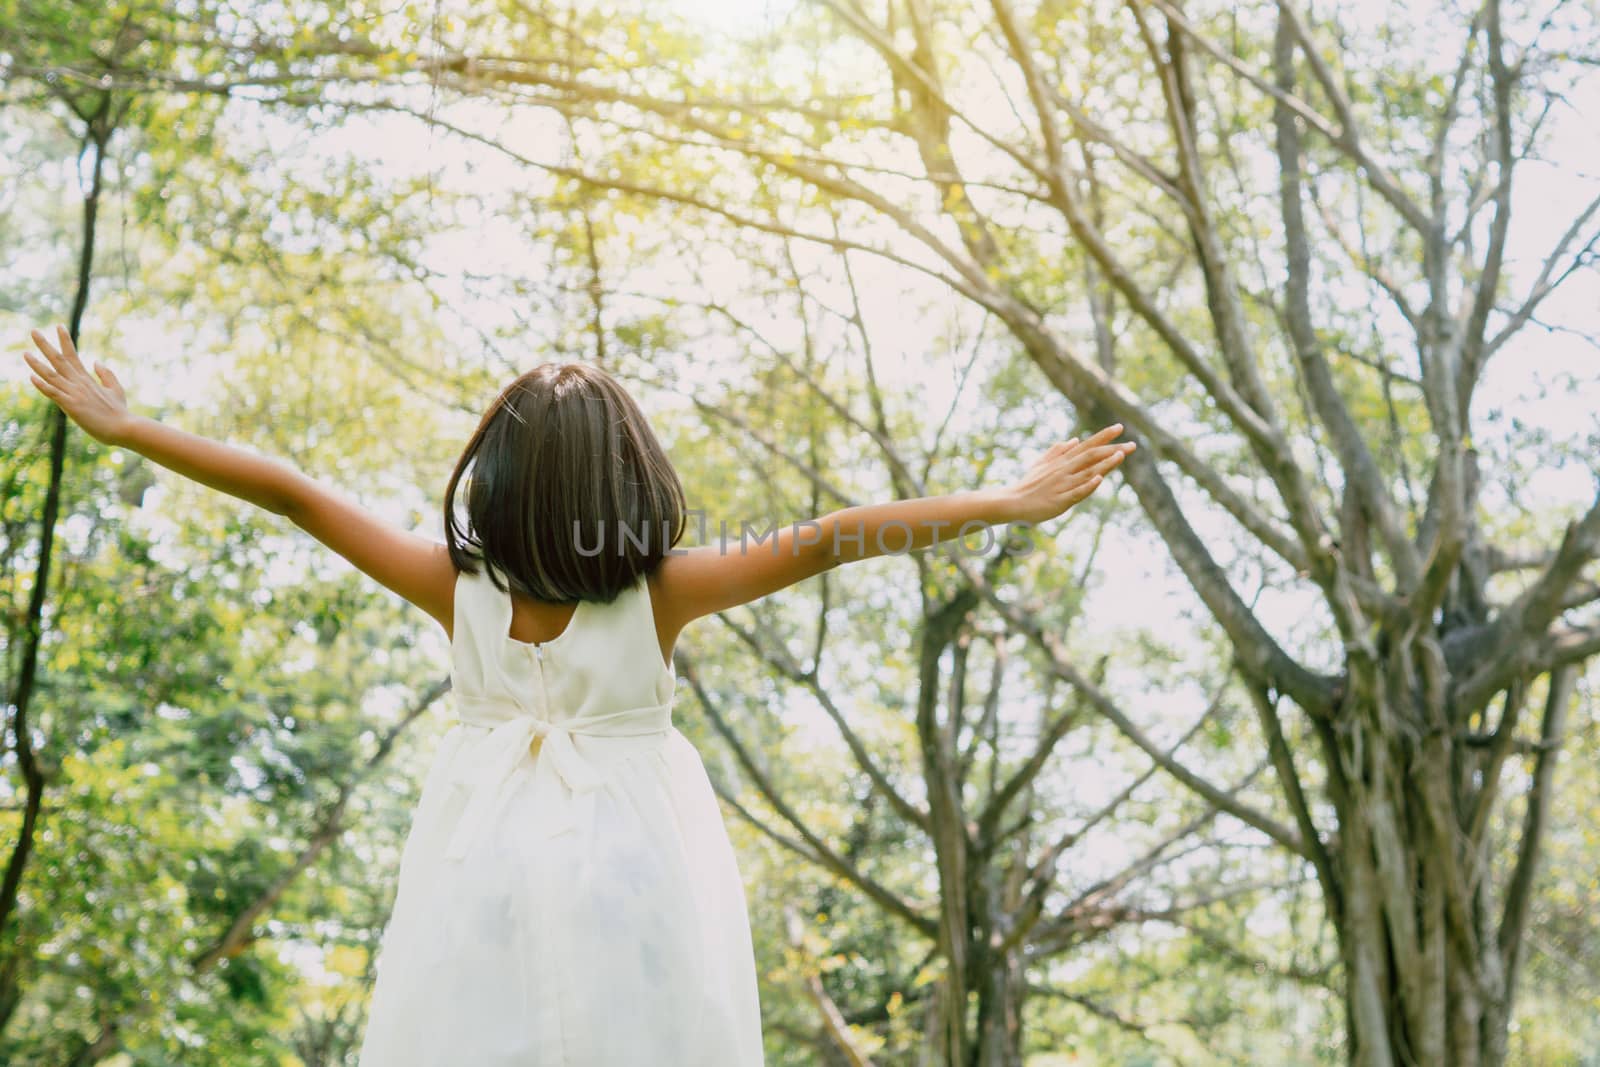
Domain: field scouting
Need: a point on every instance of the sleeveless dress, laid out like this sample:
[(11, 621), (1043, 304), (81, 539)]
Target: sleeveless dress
[(567, 895)]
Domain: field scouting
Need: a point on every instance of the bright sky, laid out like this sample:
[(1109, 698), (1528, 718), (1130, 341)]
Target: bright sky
[(735, 15)]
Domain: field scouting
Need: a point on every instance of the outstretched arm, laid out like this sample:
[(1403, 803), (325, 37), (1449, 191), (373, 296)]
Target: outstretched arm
[(716, 577), (417, 568)]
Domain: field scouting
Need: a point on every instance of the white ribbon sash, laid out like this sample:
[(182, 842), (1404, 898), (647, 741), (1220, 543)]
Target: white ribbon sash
[(486, 765)]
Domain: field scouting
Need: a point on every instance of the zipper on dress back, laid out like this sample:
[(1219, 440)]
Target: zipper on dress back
[(544, 692), (544, 698)]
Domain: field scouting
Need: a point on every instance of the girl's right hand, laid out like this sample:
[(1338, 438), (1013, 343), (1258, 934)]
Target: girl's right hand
[(1066, 475), (97, 404)]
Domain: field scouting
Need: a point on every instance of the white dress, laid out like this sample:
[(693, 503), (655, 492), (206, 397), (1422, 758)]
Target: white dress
[(567, 896)]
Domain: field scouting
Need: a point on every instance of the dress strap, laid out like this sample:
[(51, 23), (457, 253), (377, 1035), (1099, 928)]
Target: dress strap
[(475, 612), (644, 626)]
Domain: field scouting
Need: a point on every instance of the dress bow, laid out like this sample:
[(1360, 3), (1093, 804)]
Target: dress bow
[(489, 766)]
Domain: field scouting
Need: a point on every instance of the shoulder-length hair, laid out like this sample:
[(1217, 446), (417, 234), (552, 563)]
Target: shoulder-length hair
[(569, 495)]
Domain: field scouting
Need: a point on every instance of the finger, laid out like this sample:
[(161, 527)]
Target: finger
[(1103, 435), (1097, 442), (1094, 473), (44, 387), (1106, 465), (1084, 491), (44, 345), (69, 351), (1111, 459), (107, 379), (1088, 457), (1118, 452), (40, 367), (61, 364)]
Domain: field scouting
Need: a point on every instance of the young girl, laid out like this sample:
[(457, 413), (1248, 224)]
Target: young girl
[(567, 894)]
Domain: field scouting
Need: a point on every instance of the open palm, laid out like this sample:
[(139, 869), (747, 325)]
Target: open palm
[(1067, 474), (95, 402)]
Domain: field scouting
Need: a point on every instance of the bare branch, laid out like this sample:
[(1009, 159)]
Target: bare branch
[(1519, 892), (1061, 665), (772, 654), (1548, 280), (1349, 137), (1294, 792), (1525, 619), (825, 855), (1354, 455)]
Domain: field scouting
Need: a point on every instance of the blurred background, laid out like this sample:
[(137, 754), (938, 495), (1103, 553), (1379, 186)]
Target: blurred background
[(1279, 750)]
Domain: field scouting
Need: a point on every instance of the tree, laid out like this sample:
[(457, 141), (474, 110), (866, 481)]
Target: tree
[(175, 789), (1390, 186), (1277, 249), (957, 838)]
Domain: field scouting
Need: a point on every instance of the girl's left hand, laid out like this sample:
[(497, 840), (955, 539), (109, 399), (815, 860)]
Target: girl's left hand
[(99, 406), (1066, 474)]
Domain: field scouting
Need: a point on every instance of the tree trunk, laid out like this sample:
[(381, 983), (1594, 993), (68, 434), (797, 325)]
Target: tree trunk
[(978, 1012), (998, 1036), (1429, 967), (947, 819), (32, 638)]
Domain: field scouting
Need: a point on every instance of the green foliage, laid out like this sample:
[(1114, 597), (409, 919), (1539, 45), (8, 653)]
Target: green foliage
[(213, 686)]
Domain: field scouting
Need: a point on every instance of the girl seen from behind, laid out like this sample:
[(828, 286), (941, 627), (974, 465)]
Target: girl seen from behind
[(567, 894)]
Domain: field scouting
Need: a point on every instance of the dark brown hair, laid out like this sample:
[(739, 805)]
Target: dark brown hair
[(569, 495)]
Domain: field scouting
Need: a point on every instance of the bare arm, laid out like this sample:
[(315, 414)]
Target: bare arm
[(716, 577), (415, 567)]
